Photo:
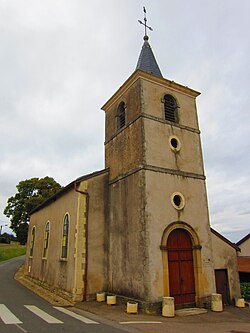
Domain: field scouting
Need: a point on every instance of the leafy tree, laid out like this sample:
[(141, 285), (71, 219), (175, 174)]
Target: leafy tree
[(22, 233), (30, 193)]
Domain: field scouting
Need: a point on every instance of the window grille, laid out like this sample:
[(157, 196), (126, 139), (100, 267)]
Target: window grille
[(121, 119), (170, 108)]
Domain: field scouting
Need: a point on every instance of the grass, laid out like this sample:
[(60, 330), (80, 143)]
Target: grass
[(12, 250)]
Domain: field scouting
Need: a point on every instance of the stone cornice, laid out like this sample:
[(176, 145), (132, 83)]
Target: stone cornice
[(158, 169), (161, 120), (139, 74)]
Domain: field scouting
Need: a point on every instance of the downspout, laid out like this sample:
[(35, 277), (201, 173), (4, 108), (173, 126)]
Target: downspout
[(86, 237)]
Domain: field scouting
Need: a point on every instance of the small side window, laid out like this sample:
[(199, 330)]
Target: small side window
[(170, 108), (178, 200), (32, 241), (175, 143), (65, 237), (121, 118), (46, 240)]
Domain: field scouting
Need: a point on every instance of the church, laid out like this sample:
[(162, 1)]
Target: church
[(140, 227)]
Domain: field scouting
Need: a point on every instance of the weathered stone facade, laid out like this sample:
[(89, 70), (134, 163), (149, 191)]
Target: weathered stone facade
[(144, 172), (225, 259), (127, 221), (84, 271)]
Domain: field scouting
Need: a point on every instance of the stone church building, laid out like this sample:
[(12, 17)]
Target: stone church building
[(140, 227)]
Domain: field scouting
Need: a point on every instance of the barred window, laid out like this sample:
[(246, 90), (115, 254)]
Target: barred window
[(46, 240), (65, 238), (170, 108), (32, 241), (121, 119)]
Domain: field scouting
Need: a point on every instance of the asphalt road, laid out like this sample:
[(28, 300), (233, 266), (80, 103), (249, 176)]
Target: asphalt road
[(23, 311)]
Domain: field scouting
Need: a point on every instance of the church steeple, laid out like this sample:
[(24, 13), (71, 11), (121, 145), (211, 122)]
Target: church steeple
[(147, 61)]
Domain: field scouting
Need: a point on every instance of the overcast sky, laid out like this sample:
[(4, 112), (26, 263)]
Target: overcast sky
[(60, 60)]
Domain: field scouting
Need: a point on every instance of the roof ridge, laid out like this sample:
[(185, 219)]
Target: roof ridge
[(242, 240), (225, 239)]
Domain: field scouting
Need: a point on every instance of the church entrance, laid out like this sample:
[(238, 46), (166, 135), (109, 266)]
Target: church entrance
[(181, 268)]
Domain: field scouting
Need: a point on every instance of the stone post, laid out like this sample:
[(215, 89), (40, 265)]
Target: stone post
[(168, 307), (216, 303)]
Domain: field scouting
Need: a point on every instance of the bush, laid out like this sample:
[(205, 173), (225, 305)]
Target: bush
[(245, 290), (5, 240)]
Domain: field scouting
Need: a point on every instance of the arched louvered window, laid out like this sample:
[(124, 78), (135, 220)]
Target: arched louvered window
[(121, 119), (46, 240), (65, 238), (170, 108)]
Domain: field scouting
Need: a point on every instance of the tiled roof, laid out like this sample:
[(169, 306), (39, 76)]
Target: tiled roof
[(147, 61), (244, 264), (65, 189)]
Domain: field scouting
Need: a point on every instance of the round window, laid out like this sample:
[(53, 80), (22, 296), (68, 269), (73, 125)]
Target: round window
[(178, 200), (175, 143)]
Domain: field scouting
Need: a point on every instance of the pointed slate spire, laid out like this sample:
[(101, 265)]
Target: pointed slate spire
[(147, 61)]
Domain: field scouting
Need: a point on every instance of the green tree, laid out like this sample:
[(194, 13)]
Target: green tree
[(30, 193), (22, 233)]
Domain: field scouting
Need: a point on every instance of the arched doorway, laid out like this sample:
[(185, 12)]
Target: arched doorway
[(181, 267)]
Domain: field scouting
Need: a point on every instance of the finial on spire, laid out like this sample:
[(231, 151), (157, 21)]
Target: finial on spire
[(145, 24)]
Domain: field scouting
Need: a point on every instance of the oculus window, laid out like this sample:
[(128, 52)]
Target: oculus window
[(178, 200), (175, 143)]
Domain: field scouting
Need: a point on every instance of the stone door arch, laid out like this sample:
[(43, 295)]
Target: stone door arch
[(180, 267), (173, 256)]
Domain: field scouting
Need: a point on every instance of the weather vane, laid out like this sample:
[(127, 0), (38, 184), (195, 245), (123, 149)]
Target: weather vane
[(145, 22)]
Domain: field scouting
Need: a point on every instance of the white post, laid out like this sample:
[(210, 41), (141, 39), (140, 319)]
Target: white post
[(111, 300), (216, 303), (240, 303), (132, 307), (168, 307), (100, 297)]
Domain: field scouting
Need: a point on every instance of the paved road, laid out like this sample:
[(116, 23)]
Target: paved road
[(23, 311)]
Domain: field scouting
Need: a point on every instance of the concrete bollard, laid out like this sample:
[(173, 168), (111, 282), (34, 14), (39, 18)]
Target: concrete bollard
[(100, 297), (111, 300), (132, 307), (216, 303), (168, 307), (240, 303)]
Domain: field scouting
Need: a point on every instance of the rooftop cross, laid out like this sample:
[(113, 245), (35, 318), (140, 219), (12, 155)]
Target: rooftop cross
[(145, 22)]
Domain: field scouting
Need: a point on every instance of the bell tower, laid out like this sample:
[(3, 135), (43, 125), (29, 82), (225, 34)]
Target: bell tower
[(159, 232)]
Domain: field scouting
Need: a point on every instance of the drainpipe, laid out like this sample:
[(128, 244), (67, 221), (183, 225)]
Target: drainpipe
[(86, 237)]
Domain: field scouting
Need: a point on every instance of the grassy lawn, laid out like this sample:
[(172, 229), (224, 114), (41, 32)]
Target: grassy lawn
[(12, 250)]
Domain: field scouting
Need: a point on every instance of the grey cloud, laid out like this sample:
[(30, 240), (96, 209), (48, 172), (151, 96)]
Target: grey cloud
[(60, 61)]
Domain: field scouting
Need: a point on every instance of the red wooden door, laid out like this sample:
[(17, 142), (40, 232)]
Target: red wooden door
[(181, 268), (222, 287)]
